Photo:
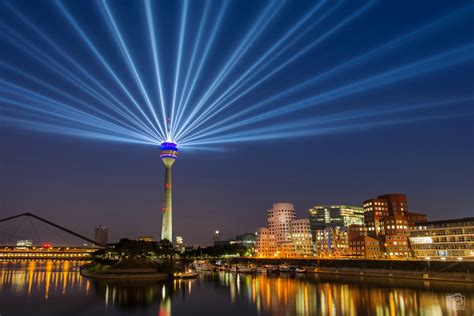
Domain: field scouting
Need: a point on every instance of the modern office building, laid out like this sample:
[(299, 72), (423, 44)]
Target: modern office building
[(450, 239), (285, 236), (361, 245), (374, 212), (180, 243), (396, 232), (101, 235), (331, 242), (387, 220), (414, 218), (301, 237), (265, 243), (279, 218), (322, 216), (246, 240)]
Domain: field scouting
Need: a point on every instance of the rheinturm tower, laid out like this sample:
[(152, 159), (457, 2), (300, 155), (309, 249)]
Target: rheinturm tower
[(168, 154)]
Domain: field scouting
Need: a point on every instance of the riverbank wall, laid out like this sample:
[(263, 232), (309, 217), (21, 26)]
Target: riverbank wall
[(452, 271)]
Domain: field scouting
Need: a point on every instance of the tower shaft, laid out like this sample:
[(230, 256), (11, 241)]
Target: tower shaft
[(168, 155), (167, 226)]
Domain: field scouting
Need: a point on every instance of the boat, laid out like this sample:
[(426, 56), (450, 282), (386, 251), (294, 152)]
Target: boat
[(300, 270), (261, 270), (283, 268), (233, 269), (271, 269), (245, 269), (204, 267), (189, 274)]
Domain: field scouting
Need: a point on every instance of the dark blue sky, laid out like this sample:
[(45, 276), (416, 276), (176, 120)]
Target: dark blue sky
[(427, 153)]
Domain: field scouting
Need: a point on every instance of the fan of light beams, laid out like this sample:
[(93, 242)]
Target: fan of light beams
[(209, 72)]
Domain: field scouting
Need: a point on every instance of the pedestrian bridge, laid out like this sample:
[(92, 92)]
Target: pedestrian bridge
[(27, 236)]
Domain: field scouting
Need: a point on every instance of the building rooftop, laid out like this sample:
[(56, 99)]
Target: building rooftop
[(446, 221)]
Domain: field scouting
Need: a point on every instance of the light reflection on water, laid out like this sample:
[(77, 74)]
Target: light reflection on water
[(329, 295), (56, 288)]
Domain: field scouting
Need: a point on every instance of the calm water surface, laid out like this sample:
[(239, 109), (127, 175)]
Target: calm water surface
[(56, 288)]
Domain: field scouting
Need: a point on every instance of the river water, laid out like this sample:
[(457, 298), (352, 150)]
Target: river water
[(56, 288)]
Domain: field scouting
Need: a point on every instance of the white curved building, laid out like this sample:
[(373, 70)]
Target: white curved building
[(279, 219), (285, 236)]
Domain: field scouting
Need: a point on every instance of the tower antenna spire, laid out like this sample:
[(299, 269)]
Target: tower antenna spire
[(169, 126)]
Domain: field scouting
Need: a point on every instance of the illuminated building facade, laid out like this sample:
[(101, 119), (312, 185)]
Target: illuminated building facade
[(285, 236), (322, 216), (450, 239), (331, 241), (265, 243), (301, 237), (247, 240), (24, 244), (146, 238), (180, 243), (387, 220), (362, 245), (279, 219), (414, 218), (396, 232)]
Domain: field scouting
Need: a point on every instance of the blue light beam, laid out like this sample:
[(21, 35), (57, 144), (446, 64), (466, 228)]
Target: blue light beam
[(154, 47), (427, 65), (109, 69), (203, 59), (131, 65), (344, 66), (257, 29), (205, 117)]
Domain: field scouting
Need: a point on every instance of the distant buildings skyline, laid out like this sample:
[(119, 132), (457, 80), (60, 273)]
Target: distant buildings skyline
[(383, 228)]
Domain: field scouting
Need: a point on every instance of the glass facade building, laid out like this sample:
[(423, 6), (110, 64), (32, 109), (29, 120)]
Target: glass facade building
[(450, 239), (323, 216)]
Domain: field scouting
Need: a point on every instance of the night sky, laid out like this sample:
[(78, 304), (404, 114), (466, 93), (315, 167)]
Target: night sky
[(80, 182)]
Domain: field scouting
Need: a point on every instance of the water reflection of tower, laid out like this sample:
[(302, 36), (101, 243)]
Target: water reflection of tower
[(165, 305), (135, 295)]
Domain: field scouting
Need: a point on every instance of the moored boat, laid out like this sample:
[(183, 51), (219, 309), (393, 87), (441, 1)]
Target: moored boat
[(261, 270), (205, 266), (189, 274), (271, 269), (245, 269), (283, 268)]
